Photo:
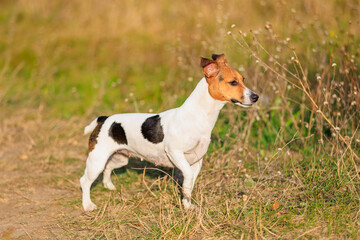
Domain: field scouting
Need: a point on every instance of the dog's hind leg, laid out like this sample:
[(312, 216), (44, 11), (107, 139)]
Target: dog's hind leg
[(95, 164), (116, 161)]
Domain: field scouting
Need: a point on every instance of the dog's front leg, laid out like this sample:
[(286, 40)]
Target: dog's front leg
[(178, 159)]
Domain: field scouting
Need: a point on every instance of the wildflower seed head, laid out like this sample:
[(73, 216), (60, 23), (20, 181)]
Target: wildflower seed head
[(318, 78), (233, 26), (268, 26), (333, 65)]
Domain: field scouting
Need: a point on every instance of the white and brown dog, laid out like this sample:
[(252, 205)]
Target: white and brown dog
[(177, 138)]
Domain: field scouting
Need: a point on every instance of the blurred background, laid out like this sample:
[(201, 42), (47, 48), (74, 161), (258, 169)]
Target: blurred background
[(63, 63)]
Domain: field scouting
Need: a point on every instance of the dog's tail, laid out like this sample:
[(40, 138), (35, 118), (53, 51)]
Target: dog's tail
[(89, 128)]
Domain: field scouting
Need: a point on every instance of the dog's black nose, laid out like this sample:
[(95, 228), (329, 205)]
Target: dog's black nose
[(254, 97)]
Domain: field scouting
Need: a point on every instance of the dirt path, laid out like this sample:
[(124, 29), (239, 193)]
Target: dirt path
[(39, 164)]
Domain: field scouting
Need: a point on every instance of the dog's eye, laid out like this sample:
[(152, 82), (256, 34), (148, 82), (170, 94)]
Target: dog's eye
[(233, 83)]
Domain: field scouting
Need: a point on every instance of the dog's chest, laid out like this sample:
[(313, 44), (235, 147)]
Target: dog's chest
[(198, 151)]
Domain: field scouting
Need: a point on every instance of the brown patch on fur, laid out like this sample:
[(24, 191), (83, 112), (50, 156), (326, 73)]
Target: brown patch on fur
[(94, 135), (221, 89)]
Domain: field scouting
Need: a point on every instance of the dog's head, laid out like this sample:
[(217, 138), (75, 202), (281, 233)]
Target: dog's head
[(225, 83)]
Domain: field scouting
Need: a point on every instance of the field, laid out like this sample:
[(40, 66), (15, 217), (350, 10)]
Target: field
[(287, 168)]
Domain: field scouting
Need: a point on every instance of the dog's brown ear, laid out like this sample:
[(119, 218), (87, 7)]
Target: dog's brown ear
[(220, 58), (204, 62), (210, 67)]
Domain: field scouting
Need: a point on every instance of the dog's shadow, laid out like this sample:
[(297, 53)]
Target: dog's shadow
[(138, 166)]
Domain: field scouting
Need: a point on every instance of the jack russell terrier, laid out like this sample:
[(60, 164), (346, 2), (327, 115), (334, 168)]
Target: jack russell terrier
[(177, 138)]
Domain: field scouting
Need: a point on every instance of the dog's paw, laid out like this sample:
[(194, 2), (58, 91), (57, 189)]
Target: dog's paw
[(109, 185), (90, 207), (188, 206)]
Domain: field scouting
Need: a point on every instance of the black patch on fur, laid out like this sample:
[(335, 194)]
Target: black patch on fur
[(220, 78), (93, 136), (117, 133), (101, 119), (152, 130)]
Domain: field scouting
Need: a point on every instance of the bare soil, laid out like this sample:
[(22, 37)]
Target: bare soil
[(37, 180)]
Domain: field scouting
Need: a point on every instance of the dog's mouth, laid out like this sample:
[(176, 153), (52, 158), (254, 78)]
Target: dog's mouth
[(237, 102)]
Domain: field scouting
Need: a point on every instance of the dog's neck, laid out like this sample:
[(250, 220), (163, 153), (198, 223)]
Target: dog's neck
[(200, 103)]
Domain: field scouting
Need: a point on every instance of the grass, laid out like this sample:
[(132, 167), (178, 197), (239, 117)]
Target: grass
[(286, 168)]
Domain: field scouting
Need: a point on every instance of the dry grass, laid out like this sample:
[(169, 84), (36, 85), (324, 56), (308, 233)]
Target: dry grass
[(287, 168)]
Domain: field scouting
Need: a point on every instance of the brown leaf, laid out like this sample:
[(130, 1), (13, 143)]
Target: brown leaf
[(135, 224), (276, 205)]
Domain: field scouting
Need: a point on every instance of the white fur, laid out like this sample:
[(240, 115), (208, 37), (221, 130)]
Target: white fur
[(88, 129), (187, 131), (247, 102)]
